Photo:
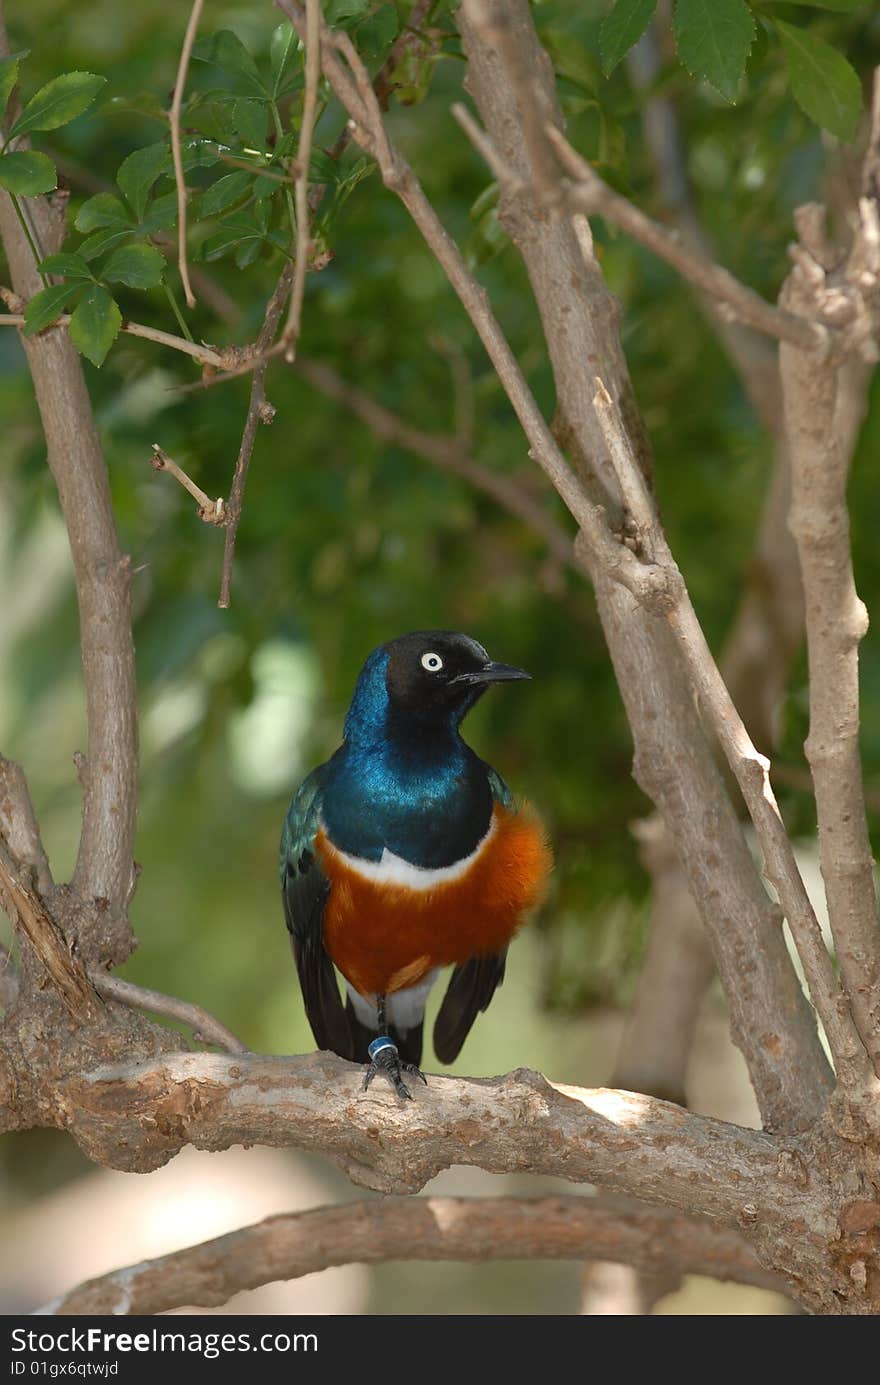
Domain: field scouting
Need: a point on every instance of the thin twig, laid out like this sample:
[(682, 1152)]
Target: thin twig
[(205, 1027), (259, 411), (199, 352), (403, 1228), (206, 354), (176, 154), (211, 511), (312, 43)]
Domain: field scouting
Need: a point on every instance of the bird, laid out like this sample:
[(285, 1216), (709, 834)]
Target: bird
[(403, 854)]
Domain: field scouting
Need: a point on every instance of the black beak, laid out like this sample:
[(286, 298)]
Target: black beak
[(492, 673)]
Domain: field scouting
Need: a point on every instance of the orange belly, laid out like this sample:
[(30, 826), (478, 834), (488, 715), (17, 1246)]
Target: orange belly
[(384, 937)]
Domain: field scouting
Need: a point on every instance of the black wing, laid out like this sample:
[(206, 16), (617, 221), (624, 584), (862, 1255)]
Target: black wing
[(473, 984), (470, 989), (304, 891)]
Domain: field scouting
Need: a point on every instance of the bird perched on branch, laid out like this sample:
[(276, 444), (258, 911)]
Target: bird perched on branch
[(403, 854)]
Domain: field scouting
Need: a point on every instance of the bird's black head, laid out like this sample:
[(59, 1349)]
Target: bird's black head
[(439, 674)]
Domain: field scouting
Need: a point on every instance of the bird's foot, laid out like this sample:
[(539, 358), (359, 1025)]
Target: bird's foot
[(385, 1059)]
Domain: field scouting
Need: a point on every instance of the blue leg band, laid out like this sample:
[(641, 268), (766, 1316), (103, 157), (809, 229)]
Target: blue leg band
[(379, 1045)]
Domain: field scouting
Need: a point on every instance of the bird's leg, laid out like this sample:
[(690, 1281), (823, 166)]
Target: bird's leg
[(385, 1058)]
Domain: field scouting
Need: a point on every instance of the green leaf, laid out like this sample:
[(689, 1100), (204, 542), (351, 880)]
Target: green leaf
[(102, 210), (822, 81), (225, 192), (95, 324), (337, 10), (9, 76), (27, 173), (71, 266), (105, 240), (487, 240), (138, 173), (235, 232), (267, 187), (376, 34), (139, 266), (46, 305), (162, 213), (249, 122), (713, 38), (226, 51), (572, 59), (623, 28), (199, 153), (247, 251), (282, 53), (59, 102)]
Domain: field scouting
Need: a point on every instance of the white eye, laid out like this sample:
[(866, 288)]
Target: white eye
[(432, 662)]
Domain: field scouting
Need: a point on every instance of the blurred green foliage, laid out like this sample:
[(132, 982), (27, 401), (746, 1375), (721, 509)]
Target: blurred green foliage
[(347, 541)]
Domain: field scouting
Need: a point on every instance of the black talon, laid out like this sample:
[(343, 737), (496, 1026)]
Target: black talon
[(385, 1059)]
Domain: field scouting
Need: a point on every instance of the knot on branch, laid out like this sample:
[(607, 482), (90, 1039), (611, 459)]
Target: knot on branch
[(838, 288)]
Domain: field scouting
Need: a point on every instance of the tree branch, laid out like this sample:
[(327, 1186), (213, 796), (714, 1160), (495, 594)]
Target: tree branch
[(177, 157), (303, 159), (674, 763), (205, 1027), (221, 360), (104, 868), (259, 411), (211, 511), (138, 1116), (431, 1228), (750, 768), (836, 621)]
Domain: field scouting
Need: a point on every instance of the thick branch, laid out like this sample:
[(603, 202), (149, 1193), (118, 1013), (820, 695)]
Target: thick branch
[(750, 768), (104, 868), (431, 1228), (836, 622), (137, 1117), (673, 762)]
